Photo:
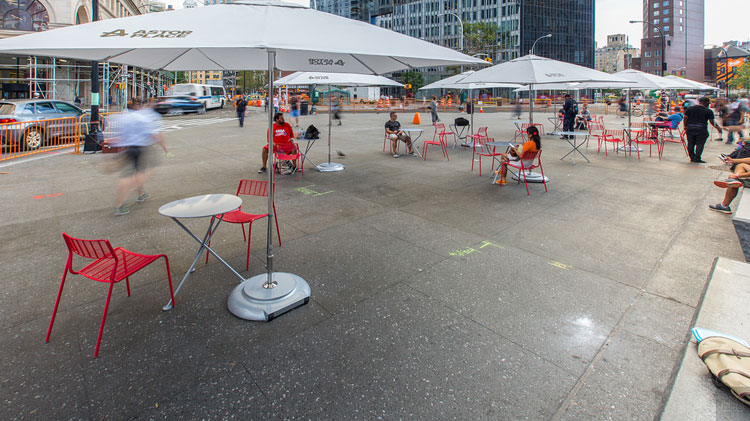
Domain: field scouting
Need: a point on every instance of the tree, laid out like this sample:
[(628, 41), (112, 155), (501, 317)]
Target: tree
[(413, 78), (480, 38), (741, 79)]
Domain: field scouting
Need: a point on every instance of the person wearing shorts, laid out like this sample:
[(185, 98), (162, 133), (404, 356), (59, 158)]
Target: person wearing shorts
[(740, 177), (282, 140), (138, 130), (394, 133), (294, 104)]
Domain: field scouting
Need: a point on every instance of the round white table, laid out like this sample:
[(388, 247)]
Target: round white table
[(205, 206), (418, 132)]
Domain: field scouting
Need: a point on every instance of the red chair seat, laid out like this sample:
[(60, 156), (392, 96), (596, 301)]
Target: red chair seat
[(128, 264), (239, 217)]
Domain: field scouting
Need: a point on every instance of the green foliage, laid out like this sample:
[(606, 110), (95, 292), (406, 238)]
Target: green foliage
[(480, 38), (413, 78), (252, 81), (742, 78)]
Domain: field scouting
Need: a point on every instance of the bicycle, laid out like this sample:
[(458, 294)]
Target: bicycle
[(635, 112)]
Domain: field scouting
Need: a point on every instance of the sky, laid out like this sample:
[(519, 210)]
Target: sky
[(725, 19)]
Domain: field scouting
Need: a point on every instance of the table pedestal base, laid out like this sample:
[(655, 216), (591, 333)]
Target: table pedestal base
[(532, 177), (330, 167), (630, 148), (251, 301)]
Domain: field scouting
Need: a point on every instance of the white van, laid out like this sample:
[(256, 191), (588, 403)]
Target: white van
[(211, 95)]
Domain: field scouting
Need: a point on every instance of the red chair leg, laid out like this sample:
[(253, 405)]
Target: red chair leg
[(57, 302), (127, 283), (104, 320), (249, 236), (473, 151), (244, 238), (209, 242), (526, 183), (169, 278), (544, 180)]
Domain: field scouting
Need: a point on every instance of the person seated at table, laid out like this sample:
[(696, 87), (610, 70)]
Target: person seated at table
[(740, 177), (282, 140), (532, 145), (676, 118), (583, 118), (394, 133)]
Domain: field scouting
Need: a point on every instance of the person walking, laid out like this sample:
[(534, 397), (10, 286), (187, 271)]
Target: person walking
[(433, 110), (570, 109), (275, 105), (734, 121), (241, 106), (336, 108), (294, 104), (138, 130), (697, 118)]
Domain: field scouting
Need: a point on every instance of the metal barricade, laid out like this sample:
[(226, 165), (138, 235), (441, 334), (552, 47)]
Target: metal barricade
[(24, 138)]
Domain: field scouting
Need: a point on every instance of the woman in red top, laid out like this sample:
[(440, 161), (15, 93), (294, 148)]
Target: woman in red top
[(532, 145), (282, 140)]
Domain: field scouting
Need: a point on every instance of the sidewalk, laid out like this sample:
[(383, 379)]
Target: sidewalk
[(435, 294)]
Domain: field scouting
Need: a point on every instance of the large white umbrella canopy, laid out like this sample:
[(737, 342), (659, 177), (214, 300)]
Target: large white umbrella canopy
[(532, 70), (694, 85), (638, 80), (456, 82), (242, 36), (340, 79), (237, 36)]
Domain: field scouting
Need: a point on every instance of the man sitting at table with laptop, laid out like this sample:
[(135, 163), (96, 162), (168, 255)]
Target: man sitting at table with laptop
[(282, 141), (532, 145), (394, 133)]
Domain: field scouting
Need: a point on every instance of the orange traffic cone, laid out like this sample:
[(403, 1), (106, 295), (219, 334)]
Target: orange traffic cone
[(416, 120), (480, 109)]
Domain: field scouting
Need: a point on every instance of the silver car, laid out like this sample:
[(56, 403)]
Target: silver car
[(43, 121)]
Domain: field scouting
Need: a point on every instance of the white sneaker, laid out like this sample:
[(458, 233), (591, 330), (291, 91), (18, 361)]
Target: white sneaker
[(395, 155)]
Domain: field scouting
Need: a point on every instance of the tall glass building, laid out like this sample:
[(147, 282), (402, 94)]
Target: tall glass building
[(571, 23)]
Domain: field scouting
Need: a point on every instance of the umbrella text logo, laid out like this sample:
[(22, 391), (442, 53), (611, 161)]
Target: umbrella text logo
[(325, 62), (151, 33), (554, 75)]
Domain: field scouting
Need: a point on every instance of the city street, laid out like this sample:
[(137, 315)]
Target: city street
[(435, 294)]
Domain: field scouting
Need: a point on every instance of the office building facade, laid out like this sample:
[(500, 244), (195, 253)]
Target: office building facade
[(682, 24), (617, 55), (519, 24)]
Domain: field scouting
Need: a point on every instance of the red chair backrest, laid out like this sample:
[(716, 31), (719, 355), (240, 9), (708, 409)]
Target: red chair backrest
[(613, 133), (530, 156), (90, 249), (253, 188), (482, 132)]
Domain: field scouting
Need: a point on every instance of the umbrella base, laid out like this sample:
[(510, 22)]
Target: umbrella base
[(532, 177), (330, 167), (250, 300), (630, 148)]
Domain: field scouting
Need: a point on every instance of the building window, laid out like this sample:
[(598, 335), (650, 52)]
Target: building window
[(656, 21), (24, 16), (656, 13), (647, 54), (665, 20), (665, 4), (657, 53), (648, 63), (666, 29)]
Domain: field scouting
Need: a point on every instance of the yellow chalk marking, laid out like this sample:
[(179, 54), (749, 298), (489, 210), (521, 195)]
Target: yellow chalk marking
[(487, 243), (464, 252), (307, 191), (558, 265)]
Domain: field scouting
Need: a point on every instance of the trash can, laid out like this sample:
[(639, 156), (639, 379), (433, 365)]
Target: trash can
[(303, 108)]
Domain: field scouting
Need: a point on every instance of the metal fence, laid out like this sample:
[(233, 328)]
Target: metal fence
[(25, 138)]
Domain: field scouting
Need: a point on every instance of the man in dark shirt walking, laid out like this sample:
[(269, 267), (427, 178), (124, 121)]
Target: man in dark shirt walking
[(569, 116), (697, 118), (241, 106)]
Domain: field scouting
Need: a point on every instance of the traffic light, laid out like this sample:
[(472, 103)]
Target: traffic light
[(488, 59), (407, 86)]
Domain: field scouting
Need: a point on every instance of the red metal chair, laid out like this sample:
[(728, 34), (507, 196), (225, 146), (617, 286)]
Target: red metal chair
[(650, 136), (110, 266), (521, 132), (611, 136), (596, 130), (526, 163), (249, 188), (480, 150), (674, 139), (441, 142), (441, 131), (480, 134), (295, 157)]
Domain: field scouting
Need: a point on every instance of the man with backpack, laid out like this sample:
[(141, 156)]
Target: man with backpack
[(570, 110), (241, 106)]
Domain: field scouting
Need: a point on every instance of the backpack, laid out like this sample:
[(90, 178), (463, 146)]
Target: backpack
[(312, 132), (575, 107), (729, 364), (461, 122)]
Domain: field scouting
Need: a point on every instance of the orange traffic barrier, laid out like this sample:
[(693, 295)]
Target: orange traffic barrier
[(39, 136), (380, 103), (416, 120), (388, 102)]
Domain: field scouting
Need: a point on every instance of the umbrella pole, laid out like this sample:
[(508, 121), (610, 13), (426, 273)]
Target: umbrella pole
[(269, 237), (531, 104), (330, 106), (471, 101), (268, 295)]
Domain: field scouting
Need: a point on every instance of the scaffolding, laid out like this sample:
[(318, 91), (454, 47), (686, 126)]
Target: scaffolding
[(70, 80)]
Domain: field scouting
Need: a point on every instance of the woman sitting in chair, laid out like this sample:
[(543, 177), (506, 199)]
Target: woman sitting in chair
[(532, 145)]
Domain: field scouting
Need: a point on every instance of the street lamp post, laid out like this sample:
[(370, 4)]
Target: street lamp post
[(663, 44), (461, 25), (94, 120), (537, 40), (726, 80)]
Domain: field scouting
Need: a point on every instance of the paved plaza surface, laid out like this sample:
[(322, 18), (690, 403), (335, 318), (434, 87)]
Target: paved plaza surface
[(435, 294)]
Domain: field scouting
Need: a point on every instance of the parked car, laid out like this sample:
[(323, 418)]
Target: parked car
[(178, 105), (40, 121)]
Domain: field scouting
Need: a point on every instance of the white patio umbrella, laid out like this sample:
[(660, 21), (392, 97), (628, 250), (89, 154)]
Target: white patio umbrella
[(694, 85), (339, 79), (243, 36), (533, 70), (455, 82)]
